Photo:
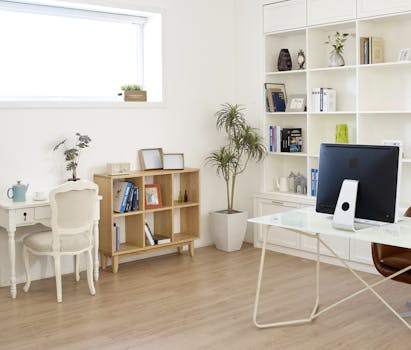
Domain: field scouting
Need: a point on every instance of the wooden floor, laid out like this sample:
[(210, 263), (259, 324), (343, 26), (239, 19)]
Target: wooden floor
[(205, 302)]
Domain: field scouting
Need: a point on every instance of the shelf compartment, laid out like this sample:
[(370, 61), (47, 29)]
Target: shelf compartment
[(392, 29), (322, 129), (342, 81), (320, 52), (292, 40), (189, 222), (393, 127), (389, 90)]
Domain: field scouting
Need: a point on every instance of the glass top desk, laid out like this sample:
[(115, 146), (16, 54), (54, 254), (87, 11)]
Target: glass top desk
[(310, 223)]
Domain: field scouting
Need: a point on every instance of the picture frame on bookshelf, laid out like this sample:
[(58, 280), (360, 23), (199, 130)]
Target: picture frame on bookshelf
[(151, 158), (404, 54), (271, 88), (152, 196), (297, 103), (173, 161)]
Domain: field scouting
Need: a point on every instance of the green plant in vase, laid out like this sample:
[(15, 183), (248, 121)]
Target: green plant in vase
[(337, 42), (72, 154)]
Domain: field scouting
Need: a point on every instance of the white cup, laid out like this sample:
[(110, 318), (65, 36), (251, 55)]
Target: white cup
[(282, 184)]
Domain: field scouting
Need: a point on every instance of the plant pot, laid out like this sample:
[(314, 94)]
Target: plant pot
[(135, 96), (228, 230), (336, 60)]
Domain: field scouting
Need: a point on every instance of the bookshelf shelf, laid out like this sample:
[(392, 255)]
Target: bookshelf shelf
[(294, 71), (288, 154), (178, 221)]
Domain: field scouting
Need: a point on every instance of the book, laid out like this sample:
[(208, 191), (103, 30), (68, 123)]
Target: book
[(121, 190), (323, 99), (362, 49), (377, 50), (116, 237), (129, 198), (291, 140), (279, 101), (149, 235), (270, 137), (314, 181), (367, 51), (134, 201), (160, 239)]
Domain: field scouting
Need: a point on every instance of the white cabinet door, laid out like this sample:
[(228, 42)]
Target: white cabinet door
[(277, 235), (286, 14), (360, 252), (327, 11), (340, 245), (366, 8)]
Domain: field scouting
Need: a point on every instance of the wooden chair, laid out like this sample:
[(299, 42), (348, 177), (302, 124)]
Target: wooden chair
[(388, 260), (73, 205)]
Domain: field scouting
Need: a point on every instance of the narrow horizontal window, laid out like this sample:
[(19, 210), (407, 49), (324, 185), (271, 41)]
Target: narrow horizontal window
[(60, 53)]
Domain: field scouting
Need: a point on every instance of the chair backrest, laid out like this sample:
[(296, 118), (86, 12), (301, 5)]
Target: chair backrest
[(73, 206)]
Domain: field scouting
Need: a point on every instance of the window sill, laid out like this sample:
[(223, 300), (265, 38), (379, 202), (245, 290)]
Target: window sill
[(79, 105)]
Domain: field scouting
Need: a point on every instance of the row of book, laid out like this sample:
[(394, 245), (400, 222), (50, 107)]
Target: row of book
[(371, 50), (285, 139), (153, 239), (323, 100), (125, 197), (314, 181)]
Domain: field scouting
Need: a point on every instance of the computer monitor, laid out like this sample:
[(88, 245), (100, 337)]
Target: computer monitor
[(376, 168)]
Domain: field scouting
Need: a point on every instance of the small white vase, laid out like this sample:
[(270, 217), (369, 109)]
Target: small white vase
[(336, 60)]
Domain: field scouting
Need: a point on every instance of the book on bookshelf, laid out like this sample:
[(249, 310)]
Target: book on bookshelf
[(121, 190), (134, 201), (314, 181), (129, 198), (116, 237), (376, 50), (160, 239), (149, 234), (291, 140), (324, 99)]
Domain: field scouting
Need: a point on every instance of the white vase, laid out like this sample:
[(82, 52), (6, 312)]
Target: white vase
[(336, 60), (228, 230)]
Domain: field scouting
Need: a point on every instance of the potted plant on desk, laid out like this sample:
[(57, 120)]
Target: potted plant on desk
[(72, 154), (244, 143)]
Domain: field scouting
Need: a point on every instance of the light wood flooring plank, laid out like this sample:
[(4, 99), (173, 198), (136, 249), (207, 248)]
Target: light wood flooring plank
[(205, 302)]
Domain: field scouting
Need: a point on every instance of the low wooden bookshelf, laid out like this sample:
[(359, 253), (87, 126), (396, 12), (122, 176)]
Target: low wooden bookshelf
[(180, 221)]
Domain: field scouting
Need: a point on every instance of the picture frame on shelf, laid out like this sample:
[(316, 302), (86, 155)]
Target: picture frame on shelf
[(271, 88), (173, 161), (297, 103), (404, 54), (152, 196), (151, 158)]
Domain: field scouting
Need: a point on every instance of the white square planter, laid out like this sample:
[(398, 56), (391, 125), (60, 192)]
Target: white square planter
[(228, 230)]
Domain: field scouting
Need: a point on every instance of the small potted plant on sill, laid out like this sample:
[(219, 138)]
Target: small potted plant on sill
[(72, 155), (337, 41), (134, 93), (244, 144)]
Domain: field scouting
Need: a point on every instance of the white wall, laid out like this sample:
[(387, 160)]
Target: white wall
[(200, 59)]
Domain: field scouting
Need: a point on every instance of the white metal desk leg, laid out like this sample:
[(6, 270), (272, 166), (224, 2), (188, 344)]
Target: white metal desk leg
[(257, 296), (12, 256), (96, 243), (317, 278)]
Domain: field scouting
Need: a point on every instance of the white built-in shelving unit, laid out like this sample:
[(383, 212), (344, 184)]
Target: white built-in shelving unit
[(374, 100)]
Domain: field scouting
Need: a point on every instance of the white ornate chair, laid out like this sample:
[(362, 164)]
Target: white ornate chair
[(73, 206)]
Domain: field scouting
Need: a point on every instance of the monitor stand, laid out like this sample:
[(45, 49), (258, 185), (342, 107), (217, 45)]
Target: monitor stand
[(345, 209)]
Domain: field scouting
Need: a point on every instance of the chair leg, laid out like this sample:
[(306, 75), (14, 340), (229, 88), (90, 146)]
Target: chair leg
[(89, 261), (27, 267), (77, 267), (57, 269)]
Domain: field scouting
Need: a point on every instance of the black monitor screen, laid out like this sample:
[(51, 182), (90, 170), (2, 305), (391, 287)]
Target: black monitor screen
[(376, 169)]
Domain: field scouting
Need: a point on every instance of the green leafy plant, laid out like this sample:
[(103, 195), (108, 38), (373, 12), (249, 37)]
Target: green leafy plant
[(72, 154), (244, 143), (337, 41), (131, 87)]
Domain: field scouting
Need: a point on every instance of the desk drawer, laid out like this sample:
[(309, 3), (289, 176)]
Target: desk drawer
[(24, 216), (42, 212)]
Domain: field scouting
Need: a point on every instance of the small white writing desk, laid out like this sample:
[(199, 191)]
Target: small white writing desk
[(307, 222), (13, 215)]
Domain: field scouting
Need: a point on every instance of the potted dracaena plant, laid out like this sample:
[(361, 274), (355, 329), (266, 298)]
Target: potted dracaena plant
[(244, 144), (72, 154)]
